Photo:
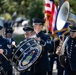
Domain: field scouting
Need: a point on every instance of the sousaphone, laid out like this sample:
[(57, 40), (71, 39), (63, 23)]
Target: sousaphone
[(64, 15)]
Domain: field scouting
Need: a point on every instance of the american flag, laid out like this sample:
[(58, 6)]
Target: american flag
[(50, 14)]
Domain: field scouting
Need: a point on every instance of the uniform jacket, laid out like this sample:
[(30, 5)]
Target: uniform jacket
[(10, 40), (42, 64), (7, 52), (8, 64), (71, 53)]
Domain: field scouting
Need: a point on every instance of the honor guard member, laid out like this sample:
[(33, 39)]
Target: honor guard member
[(70, 50), (42, 65), (11, 45), (8, 35), (29, 33), (5, 52)]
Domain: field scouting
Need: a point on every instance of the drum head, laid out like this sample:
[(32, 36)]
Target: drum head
[(28, 56)]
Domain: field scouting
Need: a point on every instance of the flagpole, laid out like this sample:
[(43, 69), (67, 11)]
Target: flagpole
[(50, 15), (47, 23)]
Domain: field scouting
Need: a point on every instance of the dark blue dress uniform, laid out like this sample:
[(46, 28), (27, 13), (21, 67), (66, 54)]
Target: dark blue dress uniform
[(4, 47), (54, 57), (71, 54), (42, 65), (9, 30), (7, 52), (26, 30)]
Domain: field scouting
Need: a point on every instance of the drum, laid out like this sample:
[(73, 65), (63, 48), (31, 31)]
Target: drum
[(26, 53)]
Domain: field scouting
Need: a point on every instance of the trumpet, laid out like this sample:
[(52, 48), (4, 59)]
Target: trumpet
[(60, 45), (58, 51), (61, 48)]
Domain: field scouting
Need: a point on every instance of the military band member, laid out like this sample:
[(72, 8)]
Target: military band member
[(9, 36), (29, 32), (11, 45), (4, 50), (70, 51), (42, 65)]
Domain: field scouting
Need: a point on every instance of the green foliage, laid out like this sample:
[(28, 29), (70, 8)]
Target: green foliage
[(73, 6), (6, 16), (36, 9), (28, 8), (8, 6), (19, 38)]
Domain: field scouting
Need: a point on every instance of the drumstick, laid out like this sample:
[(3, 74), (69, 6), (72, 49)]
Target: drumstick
[(5, 57)]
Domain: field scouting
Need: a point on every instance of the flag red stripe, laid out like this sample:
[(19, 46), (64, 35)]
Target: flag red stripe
[(47, 5), (50, 11)]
